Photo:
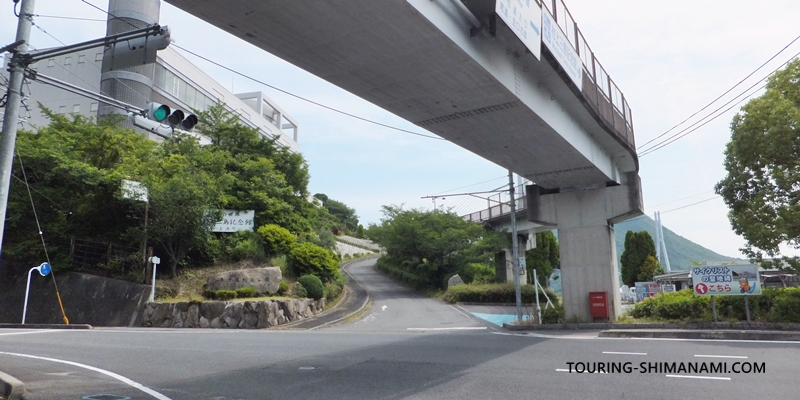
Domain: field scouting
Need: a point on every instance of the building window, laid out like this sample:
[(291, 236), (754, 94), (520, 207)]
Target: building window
[(76, 108), (51, 63), (98, 57), (68, 61), (93, 107), (62, 110), (81, 59)]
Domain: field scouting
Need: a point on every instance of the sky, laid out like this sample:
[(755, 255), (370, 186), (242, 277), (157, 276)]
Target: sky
[(670, 59)]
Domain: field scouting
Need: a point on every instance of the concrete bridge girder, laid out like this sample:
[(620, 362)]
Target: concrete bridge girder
[(418, 60)]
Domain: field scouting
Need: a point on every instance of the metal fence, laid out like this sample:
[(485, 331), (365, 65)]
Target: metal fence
[(600, 91), (499, 206)]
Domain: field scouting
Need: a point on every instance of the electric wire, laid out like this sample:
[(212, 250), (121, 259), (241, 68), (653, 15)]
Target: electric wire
[(71, 18), (41, 235), (720, 96), (276, 88), (304, 98), (682, 198), (690, 205)]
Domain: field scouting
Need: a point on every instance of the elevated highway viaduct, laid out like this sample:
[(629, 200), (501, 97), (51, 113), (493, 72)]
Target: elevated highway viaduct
[(509, 80)]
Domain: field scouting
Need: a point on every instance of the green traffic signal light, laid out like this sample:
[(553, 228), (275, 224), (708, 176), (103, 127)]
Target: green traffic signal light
[(160, 113)]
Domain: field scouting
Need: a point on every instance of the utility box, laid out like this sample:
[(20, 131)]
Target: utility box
[(598, 305)]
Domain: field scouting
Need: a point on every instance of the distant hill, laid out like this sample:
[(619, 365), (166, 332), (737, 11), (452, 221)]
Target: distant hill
[(681, 251)]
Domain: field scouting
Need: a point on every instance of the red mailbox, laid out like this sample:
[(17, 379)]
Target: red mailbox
[(598, 304)]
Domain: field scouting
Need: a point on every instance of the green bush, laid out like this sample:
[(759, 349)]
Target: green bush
[(335, 287), (225, 294), (478, 273), (283, 287), (313, 286), (310, 259), (553, 315), (241, 245), (681, 305), (246, 292), (495, 293), (786, 307), (385, 264), (276, 239), (299, 290)]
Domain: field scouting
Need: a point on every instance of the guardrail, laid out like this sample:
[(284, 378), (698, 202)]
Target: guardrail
[(600, 91), (501, 208)]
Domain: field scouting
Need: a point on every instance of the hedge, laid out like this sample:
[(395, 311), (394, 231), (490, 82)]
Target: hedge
[(773, 305), (495, 293)]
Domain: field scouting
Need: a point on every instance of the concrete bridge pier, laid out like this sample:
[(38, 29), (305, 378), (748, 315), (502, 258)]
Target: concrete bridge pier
[(585, 221)]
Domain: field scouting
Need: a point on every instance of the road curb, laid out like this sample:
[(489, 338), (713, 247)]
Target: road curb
[(45, 326), (13, 388), (701, 334), (709, 326), (364, 305)]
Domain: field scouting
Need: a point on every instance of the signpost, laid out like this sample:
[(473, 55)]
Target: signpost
[(44, 269), (727, 280), (155, 261)]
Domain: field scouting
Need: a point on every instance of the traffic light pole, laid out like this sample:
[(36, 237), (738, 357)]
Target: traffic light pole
[(11, 116)]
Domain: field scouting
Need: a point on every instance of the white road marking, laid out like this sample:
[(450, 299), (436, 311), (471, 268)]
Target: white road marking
[(625, 353), (719, 378), (537, 335), (384, 308), (712, 356), (29, 332), (461, 312), (118, 377), (462, 328)]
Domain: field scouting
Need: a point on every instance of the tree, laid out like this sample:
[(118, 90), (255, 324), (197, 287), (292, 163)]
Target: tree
[(431, 245), (762, 160), (638, 246), (185, 184), (649, 268), (544, 258), (344, 217)]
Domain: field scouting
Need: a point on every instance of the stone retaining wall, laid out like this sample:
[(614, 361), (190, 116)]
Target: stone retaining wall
[(230, 315)]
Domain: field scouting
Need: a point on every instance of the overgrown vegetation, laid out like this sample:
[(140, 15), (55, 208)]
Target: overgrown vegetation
[(425, 248), (762, 161), (76, 168), (773, 305), (638, 260)]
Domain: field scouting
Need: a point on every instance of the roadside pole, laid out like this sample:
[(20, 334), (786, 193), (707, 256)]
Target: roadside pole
[(514, 251), (536, 293), (11, 116)]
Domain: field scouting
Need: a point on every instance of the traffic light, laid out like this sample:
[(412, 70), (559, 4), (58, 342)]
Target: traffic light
[(161, 120), (176, 119)]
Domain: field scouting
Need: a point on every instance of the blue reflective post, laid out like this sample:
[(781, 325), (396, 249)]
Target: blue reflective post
[(44, 270)]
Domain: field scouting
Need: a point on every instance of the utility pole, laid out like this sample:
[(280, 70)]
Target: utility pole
[(11, 116), (514, 251)]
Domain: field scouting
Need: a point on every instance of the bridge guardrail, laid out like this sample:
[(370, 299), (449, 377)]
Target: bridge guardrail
[(600, 91)]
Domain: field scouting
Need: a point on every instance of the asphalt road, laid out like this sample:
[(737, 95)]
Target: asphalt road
[(378, 357)]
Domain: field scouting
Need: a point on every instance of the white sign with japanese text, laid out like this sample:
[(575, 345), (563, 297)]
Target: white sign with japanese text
[(524, 17), (726, 280), (235, 220), (562, 50)]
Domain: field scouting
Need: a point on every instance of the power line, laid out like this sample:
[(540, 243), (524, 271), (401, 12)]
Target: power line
[(689, 205), (726, 92), (682, 198), (688, 129), (72, 18), (305, 99)]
